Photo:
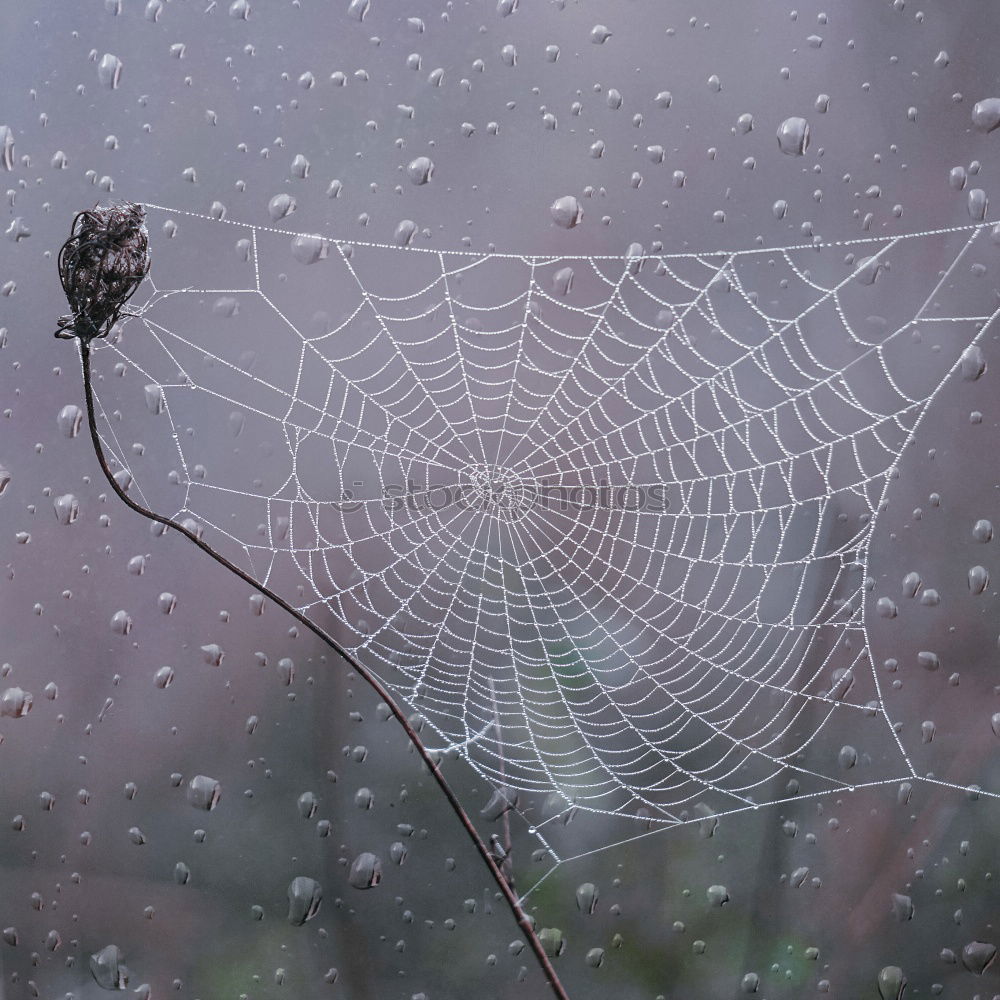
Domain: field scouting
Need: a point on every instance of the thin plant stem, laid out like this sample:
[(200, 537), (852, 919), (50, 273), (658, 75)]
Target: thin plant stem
[(523, 920)]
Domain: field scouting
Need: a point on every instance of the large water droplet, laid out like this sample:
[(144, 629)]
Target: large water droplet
[(67, 508), (309, 249), (366, 871), (566, 211), (928, 660), (109, 71), (404, 233), (978, 956), (121, 623), (891, 982), (281, 205), (108, 968), (902, 907), (979, 204), (69, 420), (204, 792), (979, 579), (986, 114), (7, 147), (973, 364), (420, 170), (586, 897), (15, 703), (304, 897), (552, 941), (717, 895), (793, 136), (358, 9)]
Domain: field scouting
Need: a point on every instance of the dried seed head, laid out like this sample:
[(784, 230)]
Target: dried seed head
[(100, 266)]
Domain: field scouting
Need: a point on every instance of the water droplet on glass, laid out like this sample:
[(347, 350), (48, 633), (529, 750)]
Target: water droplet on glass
[(586, 897), (595, 958), (979, 204), (973, 364), (986, 114), (566, 211), (108, 968), (793, 136), (203, 792), (928, 660), (121, 623), (213, 654), (552, 941), (982, 530), (109, 71), (847, 757), (280, 206), (978, 956), (15, 703), (599, 34), (717, 895), (420, 170), (404, 233), (7, 147), (309, 249), (69, 420), (979, 579), (67, 508), (366, 871), (304, 898), (868, 269), (885, 608)]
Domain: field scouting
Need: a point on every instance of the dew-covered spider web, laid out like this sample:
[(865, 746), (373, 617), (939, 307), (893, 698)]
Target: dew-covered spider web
[(603, 521)]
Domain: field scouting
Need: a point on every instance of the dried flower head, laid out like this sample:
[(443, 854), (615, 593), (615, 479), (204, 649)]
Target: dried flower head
[(100, 266)]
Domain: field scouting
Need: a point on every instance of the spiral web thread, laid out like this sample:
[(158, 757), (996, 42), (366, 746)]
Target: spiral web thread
[(570, 630)]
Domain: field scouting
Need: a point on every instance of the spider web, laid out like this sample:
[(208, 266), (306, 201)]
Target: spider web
[(604, 521)]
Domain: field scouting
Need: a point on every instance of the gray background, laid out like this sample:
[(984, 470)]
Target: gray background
[(74, 869)]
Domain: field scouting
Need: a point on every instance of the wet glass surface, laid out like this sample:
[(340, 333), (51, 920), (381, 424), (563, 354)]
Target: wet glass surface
[(613, 382)]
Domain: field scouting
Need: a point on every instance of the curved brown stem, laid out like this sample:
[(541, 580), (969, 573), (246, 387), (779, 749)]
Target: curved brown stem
[(522, 918)]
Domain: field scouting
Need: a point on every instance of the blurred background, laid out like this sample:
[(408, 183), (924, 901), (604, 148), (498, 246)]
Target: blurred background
[(147, 665)]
